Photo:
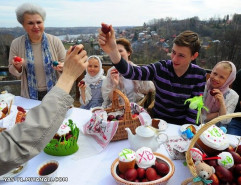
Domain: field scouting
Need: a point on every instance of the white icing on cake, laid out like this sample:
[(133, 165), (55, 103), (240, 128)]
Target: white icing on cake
[(127, 155), (215, 138), (145, 158), (63, 130), (226, 160)]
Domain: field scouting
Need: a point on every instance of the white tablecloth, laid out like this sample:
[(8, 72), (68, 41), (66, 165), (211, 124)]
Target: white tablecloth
[(95, 169), (25, 102)]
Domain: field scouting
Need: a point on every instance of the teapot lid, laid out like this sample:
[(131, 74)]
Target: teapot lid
[(144, 131)]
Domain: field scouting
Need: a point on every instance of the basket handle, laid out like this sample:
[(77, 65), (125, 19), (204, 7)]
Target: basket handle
[(189, 160), (115, 104)]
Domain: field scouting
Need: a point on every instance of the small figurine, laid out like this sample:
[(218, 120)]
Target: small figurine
[(188, 133), (204, 171)]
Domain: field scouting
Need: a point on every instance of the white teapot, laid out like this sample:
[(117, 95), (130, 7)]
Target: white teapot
[(145, 136)]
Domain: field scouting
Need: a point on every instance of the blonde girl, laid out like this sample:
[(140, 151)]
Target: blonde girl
[(218, 97), (90, 90)]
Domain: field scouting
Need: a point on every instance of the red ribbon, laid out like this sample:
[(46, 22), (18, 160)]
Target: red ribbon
[(204, 157)]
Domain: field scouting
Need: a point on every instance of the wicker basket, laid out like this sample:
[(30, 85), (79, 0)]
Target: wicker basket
[(128, 121), (189, 160)]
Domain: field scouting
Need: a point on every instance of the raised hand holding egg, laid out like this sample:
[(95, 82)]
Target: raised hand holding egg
[(105, 28)]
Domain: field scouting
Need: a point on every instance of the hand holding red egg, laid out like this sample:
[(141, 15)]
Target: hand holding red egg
[(114, 71), (115, 76), (81, 83), (73, 47), (18, 62), (17, 59), (105, 28), (213, 92)]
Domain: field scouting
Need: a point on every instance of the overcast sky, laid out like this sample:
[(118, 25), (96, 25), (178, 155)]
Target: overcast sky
[(77, 13)]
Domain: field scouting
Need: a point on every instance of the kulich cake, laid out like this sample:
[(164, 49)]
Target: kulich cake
[(213, 141), (3, 107), (16, 114), (65, 140), (5, 100), (126, 160), (145, 158), (155, 122), (2, 115)]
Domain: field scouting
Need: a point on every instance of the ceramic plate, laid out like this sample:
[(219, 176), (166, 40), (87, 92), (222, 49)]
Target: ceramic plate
[(14, 172), (162, 124)]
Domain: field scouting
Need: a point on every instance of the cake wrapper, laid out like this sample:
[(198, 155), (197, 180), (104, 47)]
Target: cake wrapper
[(124, 166), (9, 121)]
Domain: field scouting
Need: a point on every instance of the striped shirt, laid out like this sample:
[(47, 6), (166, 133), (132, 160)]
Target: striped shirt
[(171, 90)]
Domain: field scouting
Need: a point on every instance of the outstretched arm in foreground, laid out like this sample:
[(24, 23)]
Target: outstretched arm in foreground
[(26, 140)]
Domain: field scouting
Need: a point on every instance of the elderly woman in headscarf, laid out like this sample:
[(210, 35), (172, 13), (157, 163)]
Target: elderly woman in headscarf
[(218, 97), (90, 86), (32, 55)]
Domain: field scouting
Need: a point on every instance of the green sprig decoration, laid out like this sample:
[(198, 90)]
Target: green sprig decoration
[(196, 103)]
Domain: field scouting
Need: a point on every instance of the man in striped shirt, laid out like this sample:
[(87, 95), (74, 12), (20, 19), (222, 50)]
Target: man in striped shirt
[(175, 80)]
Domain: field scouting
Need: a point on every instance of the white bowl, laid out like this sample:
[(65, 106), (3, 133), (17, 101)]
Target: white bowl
[(161, 181), (52, 174)]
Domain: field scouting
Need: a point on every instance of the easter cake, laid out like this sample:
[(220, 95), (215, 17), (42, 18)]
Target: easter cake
[(65, 140), (145, 162), (3, 109), (10, 115), (5, 100), (127, 160), (212, 141)]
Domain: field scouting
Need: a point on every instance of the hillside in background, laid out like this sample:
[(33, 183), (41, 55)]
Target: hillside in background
[(17, 31), (220, 39)]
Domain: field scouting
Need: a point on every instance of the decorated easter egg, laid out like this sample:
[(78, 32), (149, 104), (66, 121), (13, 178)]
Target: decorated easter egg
[(196, 154), (226, 160)]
